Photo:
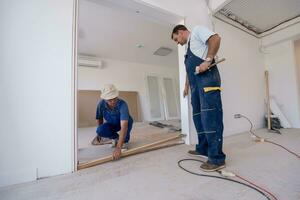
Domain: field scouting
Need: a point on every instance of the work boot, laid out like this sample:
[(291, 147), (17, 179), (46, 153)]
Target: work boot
[(197, 154), (209, 167)]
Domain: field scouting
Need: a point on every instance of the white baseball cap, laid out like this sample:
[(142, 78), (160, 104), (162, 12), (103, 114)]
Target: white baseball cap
[(109, 92)]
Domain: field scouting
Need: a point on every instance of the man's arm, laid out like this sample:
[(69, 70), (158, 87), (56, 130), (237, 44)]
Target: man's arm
[(99, 121), (186, 87), (99, 114), (123, 132), (124, 127), (213, 46)]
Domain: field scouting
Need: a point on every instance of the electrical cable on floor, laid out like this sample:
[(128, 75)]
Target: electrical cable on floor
[(226, 174), (295, 154), (249, 185), (256, 186), (260, 139)]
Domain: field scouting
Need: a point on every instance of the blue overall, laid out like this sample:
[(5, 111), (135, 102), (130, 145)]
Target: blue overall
[(207, 109), (113, 118)]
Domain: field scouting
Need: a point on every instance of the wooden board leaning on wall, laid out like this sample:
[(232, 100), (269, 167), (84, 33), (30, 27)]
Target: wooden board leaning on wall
[(88, 100)]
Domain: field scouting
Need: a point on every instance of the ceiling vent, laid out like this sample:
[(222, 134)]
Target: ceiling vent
[(162, 51)]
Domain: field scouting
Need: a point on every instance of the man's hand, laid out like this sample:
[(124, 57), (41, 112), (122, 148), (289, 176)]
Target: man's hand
[(202, 67), (185, 92), (117, 153)]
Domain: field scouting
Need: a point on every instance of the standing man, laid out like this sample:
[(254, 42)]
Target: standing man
[(205, 87), (117, 119)]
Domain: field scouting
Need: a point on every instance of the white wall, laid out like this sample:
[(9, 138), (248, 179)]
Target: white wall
[(127, 76), (195, 12), (281, 62), (36, 89), (242, 77), (242, 74)]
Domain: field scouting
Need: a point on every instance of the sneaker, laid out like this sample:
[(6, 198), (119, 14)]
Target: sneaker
[(125, 146), (96, 140), (100, 141), (197, 154), (115, 142), (208, 167)]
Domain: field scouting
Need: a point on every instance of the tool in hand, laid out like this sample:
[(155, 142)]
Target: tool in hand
[(219, 61)]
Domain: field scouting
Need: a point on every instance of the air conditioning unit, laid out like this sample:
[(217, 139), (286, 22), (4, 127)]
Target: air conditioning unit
[(89, 61)]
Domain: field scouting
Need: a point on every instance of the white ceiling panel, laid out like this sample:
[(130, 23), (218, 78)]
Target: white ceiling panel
[(261, 15)]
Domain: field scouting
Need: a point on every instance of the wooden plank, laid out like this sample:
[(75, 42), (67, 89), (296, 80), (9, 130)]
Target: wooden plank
[(88, 101), (268, 99), (131, 99), (87, 104), (129, 152)]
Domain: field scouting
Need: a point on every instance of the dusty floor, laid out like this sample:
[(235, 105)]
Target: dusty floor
[(155, 175), (141, 134)]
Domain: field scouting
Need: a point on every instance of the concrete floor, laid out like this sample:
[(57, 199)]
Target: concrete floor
[(155, 175)]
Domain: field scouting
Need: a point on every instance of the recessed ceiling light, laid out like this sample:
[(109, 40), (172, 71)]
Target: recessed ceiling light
[(139, 45), (162, 51)]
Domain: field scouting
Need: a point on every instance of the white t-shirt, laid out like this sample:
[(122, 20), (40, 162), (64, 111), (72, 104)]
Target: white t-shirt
[(198, 41)]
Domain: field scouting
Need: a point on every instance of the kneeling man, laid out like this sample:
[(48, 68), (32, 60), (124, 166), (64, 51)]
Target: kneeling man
[(113, 116)]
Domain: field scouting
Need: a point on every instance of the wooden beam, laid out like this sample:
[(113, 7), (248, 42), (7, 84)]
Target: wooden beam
[(268, 99), (137, 150)]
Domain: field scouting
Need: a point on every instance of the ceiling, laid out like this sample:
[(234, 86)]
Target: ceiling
[(260, 16), (109, 29)]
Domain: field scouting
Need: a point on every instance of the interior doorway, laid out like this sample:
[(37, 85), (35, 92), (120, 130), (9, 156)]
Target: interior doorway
[(117, 44)]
